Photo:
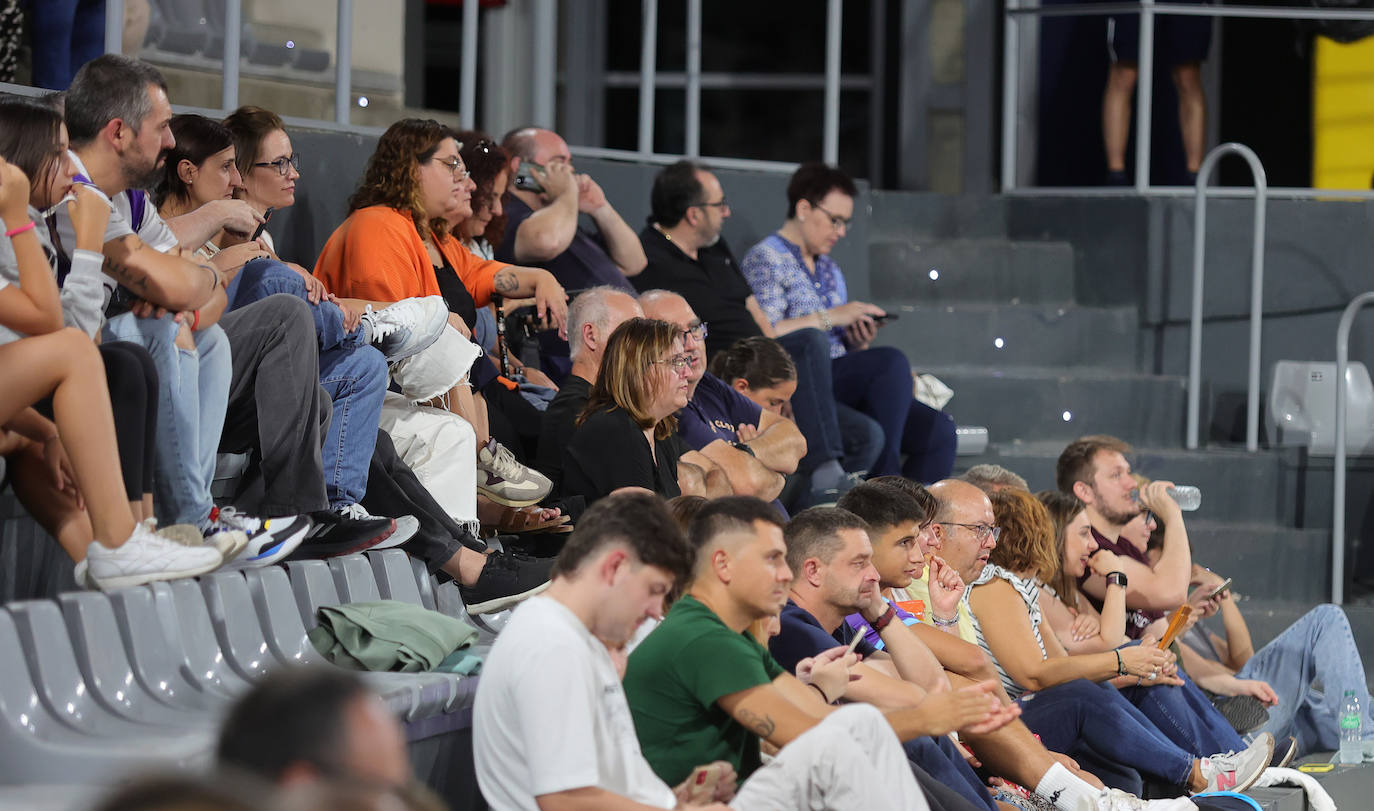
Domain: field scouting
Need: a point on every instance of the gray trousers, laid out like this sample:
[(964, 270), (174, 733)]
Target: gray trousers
[(277, 409)]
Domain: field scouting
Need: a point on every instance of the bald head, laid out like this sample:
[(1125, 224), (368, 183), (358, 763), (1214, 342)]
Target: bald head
[(593, 316), (963, 526), (666, 305), (536, 145)]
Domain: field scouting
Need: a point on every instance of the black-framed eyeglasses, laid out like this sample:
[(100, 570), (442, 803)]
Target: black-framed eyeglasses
[(280, 164), (982, 531), (721, 204), (455, 166), (836, 222), (697, 331), (676, 364), (1150, 518)]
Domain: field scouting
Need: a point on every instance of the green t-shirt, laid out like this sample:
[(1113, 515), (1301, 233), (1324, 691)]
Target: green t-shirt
[(672, 682)]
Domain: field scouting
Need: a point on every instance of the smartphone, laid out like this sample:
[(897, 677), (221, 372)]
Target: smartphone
[(858, 637), (1225, 584), (266, 218), (883, 319), (525, 179), (1176, 622)]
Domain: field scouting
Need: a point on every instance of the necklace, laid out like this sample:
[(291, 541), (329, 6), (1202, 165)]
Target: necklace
[(665, 234)]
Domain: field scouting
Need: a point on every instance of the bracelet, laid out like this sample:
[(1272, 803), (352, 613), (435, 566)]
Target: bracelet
[(885, 620), (195, 323), (817, 688), (214, 277), (1120, 668), (824, 318), (943, 623), (14, 232)]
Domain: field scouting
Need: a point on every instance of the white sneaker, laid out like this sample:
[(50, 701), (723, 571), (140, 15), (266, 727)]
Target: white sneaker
[(406, 527), (1113, 799), (504, 480), (407, 327), (269, 539), (1236, 771), (146, 557)]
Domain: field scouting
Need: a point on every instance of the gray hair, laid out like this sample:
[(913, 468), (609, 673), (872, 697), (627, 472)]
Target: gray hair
[(592, 306), (988, 477), (109, 87)]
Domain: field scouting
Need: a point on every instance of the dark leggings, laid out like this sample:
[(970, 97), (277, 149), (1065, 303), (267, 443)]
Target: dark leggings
[(132, 380)]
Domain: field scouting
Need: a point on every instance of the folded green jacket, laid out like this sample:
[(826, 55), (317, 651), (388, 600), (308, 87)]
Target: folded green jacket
[(388, 635)]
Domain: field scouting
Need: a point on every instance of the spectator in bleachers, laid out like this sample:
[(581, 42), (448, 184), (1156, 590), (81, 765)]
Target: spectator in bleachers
[(700, 690), (798, 285), (760, 369), (542, 208), (395, 244), (246, 377), (201, 169), (77, 448), (64, 35), (593, 316), (1081, 628), (991, 478), (303, 729), (625, 435), (1095, 469), (686, 255), (1171, 744), (754, 448)]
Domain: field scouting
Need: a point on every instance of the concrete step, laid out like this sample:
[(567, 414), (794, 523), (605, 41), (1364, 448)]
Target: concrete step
[(974, 333), (1037, 403), (988, 270), (937, 216), (1239, 487)]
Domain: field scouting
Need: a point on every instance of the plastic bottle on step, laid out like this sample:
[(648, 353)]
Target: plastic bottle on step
[(1352, 743)]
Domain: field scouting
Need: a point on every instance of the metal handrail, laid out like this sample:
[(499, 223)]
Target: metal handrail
[(1260, 183), (1338, 486)]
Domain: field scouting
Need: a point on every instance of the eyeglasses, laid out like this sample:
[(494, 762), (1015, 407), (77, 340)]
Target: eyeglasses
[(836, 222), (280, 164), (675, 364), (721, 204), (697, 331), (982, 531), (456, 167), (1150, 518)]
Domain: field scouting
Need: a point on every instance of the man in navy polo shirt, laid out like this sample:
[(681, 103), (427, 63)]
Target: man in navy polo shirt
[(755, 448)]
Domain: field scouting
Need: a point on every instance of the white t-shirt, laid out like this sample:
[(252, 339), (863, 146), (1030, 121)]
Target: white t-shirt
[(551, 715)]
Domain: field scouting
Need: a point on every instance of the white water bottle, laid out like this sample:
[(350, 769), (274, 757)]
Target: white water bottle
[(1352, 742), (1187, 496)]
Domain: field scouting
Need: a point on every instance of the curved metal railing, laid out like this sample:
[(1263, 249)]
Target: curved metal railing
[(1338, 485)]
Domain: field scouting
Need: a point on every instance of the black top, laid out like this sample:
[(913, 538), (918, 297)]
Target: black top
[(456, 294), (711, 283), (556, 431), (609, 451), (584, 264)]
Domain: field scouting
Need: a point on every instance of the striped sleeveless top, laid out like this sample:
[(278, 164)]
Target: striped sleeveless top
[(1029, 589)]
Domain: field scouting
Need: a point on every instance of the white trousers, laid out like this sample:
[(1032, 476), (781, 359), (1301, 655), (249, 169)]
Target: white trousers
[(441, 448), (851, 760)]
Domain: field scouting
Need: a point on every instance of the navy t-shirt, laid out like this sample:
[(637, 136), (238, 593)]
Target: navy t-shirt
[(716, 411), (584, 264), (803, 636)]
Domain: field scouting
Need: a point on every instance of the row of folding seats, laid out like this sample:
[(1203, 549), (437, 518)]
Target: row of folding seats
[(94, 686)]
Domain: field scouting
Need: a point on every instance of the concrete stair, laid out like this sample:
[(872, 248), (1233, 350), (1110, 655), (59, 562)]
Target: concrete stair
[(1003, 270)]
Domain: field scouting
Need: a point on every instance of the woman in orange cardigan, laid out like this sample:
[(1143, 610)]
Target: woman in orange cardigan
[(395, 245)]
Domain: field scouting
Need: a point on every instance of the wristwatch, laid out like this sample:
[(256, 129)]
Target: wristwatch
[(1117, 579)]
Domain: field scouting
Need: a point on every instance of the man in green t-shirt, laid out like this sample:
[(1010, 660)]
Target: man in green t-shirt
[(700, 689)]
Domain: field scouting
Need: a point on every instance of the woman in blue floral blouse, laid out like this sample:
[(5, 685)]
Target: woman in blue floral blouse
[(799, 285)]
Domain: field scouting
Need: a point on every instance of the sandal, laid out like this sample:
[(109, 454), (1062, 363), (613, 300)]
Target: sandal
[(516, 520)]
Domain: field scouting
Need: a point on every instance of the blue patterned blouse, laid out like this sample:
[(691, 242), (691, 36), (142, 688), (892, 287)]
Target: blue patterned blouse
[(784, 288)]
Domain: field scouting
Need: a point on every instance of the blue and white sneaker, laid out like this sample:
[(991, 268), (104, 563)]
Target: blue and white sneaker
[(269, 539), (407, 327)]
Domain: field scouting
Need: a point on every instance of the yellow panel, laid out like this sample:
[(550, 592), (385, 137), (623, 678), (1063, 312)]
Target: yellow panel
[(1343, 115)]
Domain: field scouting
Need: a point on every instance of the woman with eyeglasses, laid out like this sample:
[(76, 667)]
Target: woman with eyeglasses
[(798, 285), (1071, 700), (625, 436)]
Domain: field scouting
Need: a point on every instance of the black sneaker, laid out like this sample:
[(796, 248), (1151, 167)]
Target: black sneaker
[(337, 534), (506, 579), (1285, 749), (1245, 713)]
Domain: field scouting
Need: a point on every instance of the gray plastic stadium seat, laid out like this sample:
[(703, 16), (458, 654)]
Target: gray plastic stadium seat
[(106, 669), (425, 581), (187, 625), (353, 578), (52, 667), (159, 668), (37, 748), (395, 580), (432, 693)]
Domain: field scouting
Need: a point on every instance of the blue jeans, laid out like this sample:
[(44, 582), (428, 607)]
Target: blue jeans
[(193, 393), (353, 373), (816, 411), (66, 35), (878, 382), (1085, 718), (1186, 717), (1310, 666), (942, 760)]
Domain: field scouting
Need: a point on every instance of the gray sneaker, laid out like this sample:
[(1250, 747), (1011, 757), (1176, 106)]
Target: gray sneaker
[(407, 327), (1236, 771), (504, 480)]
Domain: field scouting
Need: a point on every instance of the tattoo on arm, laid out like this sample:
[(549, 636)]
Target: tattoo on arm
[(133, 278), (505, 282), (761, 726)]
